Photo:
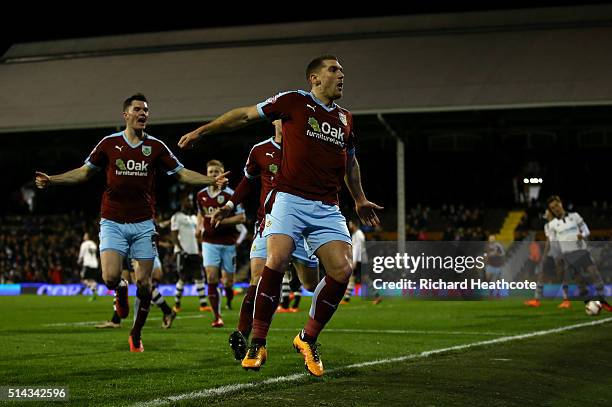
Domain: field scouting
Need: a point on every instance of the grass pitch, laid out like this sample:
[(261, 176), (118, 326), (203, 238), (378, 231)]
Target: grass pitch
[(50, 341)]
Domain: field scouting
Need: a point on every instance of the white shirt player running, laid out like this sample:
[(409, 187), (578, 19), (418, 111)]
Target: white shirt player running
[(359, 250), (186, 227), (88, 254), (565, 231)]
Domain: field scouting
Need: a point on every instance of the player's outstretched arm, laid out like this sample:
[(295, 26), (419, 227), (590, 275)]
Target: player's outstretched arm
[(229, 121), (75, 176), (195, 178), (363, 207)]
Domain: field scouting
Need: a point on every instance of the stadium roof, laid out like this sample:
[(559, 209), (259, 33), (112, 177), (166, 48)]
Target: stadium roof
[(495, 59)]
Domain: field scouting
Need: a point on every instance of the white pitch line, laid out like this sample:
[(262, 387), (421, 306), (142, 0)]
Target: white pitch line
[(87, 323), (332, 330), (407, 331), (233, 388), (82, 323)]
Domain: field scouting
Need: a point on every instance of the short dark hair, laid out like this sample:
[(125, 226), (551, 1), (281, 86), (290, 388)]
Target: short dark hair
[(128, 102), (552, 199), (317, 64)]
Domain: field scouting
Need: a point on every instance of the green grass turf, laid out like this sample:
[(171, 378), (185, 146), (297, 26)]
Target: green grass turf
[(567, 368)]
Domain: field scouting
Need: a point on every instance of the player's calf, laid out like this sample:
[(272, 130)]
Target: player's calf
[(245, 322), (266, 302), (180, 286), (143, 293)]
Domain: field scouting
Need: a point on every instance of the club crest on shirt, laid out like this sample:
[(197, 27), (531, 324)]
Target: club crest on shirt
[(146, 150), (273, 168), (342, 117), (220, 199)]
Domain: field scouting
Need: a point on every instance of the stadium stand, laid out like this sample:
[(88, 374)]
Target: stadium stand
[(41, 248)]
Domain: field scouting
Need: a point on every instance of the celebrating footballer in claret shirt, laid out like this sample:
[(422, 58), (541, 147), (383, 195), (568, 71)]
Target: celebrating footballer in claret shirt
[(131, 160), (318, 155), (263, 163)]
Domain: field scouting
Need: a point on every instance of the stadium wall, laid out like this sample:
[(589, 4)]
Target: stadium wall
[(521, 58)]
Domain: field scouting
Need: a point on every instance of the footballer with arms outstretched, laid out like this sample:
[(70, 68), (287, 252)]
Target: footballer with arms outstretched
[(318, 155), (132, 159)]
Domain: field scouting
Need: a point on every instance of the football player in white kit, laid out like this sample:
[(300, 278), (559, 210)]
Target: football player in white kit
[(186, 250), (88, 259), (552, 260), (570, 231)]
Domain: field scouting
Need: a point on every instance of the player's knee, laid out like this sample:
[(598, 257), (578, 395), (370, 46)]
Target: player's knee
[(256, 270), (277, 262), (346, 274), (339, 267), (340, 276), (341, 273)]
